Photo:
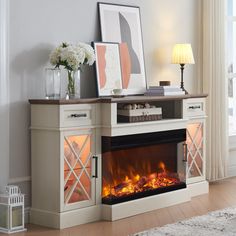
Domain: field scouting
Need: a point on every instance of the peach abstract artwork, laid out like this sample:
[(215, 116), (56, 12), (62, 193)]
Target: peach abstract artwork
[(108, 68)]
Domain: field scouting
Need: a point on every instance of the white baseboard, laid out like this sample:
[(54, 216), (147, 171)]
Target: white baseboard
[(231, 171), (196, 189), (65, 219), (27, 215)]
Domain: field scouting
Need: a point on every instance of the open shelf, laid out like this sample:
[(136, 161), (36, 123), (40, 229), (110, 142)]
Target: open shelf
[(171, 109)]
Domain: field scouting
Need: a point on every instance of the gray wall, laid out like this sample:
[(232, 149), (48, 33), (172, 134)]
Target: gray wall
[(4, 97), (36, 26)]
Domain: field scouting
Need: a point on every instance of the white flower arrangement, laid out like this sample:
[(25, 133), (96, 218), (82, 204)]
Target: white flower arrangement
[(72, 56)]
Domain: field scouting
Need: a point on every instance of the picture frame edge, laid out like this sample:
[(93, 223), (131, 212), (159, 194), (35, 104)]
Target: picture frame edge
[(141, 29), (96, 71)]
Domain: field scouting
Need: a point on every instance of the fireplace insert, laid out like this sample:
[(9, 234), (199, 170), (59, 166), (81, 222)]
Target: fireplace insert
[(141, 165)]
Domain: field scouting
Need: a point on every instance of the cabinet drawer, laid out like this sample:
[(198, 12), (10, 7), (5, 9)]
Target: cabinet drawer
[(194, 107), (76, 115)]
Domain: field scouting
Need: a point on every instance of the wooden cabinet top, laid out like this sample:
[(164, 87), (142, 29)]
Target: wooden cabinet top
[(125, 99)]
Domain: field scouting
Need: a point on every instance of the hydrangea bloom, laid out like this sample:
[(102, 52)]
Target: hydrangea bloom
[(72, 56)]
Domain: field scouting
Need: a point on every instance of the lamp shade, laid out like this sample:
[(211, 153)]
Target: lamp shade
[(182, 54)]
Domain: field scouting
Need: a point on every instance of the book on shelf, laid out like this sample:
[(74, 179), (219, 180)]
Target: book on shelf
[(164, 91), (173, 87)]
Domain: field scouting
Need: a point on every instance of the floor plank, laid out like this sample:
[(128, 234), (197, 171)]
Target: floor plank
[(222, 194)]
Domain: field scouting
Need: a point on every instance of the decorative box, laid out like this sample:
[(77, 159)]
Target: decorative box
[(139, 115)]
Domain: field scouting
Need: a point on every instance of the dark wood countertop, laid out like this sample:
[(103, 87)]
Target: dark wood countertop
[(131, 99), (64, 101), (126, 99)]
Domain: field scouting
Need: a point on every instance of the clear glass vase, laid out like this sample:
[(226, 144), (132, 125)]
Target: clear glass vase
[(52, 83), (73, 84)]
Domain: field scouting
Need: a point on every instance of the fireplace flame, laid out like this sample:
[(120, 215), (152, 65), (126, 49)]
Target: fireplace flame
[(135, 182), (162, 166)]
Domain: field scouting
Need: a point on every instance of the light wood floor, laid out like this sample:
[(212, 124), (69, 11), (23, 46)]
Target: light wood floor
[(222, 194)]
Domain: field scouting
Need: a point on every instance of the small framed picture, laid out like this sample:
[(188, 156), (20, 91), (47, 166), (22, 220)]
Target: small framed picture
[(122, 24), (108, 68)]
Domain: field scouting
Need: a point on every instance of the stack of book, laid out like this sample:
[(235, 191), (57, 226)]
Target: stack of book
[(164, 91)]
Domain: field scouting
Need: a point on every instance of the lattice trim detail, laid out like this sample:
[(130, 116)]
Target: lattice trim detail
[(197, 147), (72, 168)]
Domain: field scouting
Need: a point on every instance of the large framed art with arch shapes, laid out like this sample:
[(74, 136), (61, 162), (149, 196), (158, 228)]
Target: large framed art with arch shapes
[(122, 24)]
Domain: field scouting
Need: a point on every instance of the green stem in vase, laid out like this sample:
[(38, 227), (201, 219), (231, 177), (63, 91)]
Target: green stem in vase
[(71, 83)]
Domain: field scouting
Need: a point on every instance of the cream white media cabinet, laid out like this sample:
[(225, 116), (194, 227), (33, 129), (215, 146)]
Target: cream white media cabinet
[(66, 156)]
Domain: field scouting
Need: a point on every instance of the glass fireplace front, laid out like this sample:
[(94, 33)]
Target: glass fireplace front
[(137, 166)]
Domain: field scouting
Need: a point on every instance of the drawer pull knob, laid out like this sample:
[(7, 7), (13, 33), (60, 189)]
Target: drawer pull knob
[(78, 115), (194, 107)]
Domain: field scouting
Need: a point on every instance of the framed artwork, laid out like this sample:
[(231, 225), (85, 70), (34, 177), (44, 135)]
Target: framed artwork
[(122, 24), (108, 68)]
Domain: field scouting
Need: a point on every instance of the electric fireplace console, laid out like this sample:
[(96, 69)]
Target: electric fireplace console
[(89, 165)]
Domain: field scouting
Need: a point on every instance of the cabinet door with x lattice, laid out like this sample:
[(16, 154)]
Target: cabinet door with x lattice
[(78, 168), (196, 150)]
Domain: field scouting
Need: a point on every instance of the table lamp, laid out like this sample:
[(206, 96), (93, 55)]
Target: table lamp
[(182, 54)]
